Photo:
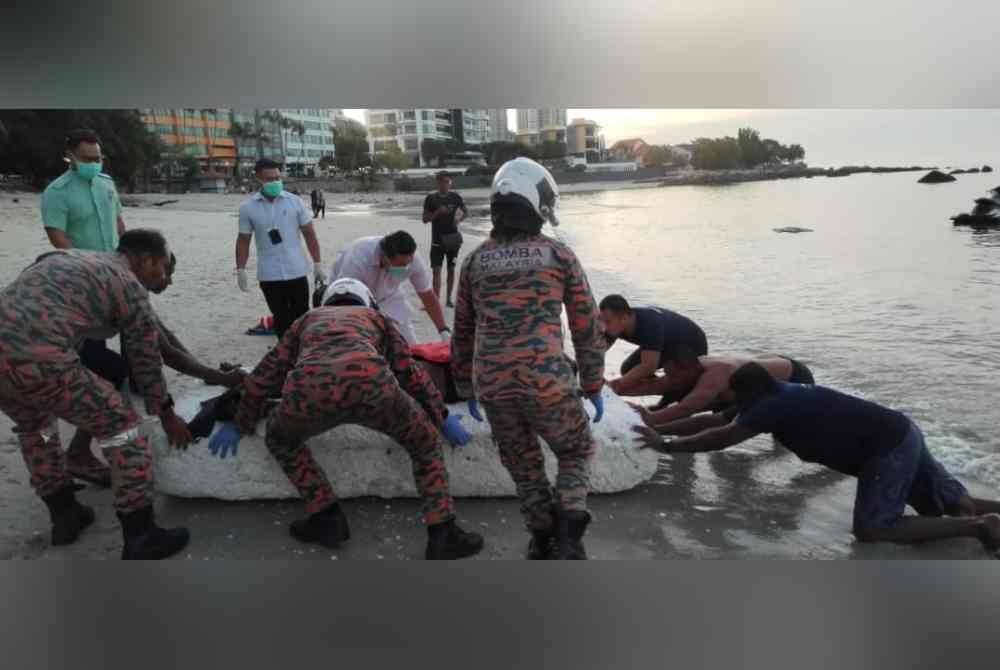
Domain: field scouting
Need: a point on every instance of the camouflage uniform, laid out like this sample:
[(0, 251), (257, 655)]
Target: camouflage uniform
[(64, 297), (508, 348), (339, 365)]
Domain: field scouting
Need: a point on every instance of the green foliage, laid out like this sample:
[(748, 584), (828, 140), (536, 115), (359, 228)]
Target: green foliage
[(393, 158), (498, 153), (552, 150), (32, 142), (350, 142), (658, 156), (746, 150)]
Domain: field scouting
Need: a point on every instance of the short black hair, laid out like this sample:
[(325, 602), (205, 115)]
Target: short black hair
[(142, 242), (266, 164), (75, 138), (442, 173), (752, 379), (399, 243), (615, 303)]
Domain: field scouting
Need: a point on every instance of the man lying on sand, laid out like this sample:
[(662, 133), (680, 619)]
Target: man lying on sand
[(347, 363), (703, 384), (883, 448)]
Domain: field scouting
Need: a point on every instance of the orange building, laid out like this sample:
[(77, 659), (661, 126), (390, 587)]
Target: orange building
[(203, 133)]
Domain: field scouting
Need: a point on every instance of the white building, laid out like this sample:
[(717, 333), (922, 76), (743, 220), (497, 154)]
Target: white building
[(498, 125), (407, 129), (534, 120), (303, 152), (471, 126)]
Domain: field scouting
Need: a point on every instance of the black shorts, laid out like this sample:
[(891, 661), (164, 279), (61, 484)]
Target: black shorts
[(96, 357), (437, 256), (800, 373)]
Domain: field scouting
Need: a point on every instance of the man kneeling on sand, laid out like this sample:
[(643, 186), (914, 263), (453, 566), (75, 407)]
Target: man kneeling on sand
[(702, 383), (883, 448)]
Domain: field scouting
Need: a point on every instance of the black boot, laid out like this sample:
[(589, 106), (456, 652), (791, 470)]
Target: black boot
[(327, 527), (542, 546), (571, 527), (446, 541), (145, 541), (68, 516)]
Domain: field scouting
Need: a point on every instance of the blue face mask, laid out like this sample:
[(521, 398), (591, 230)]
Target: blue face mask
[(399, 271), (88, 170)]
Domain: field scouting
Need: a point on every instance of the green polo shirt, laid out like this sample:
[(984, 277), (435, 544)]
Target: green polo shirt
[(86, 211)]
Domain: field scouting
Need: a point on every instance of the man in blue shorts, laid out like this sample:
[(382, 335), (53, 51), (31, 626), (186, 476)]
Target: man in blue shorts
[(883, 448)]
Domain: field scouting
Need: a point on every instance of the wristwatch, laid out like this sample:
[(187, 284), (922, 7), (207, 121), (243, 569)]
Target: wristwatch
[(446, 328)]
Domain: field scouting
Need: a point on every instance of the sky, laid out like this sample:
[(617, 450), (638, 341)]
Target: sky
[(929, 137)]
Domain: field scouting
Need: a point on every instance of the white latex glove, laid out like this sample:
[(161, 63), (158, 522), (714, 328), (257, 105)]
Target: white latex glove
[(241, 279), (318, 273)]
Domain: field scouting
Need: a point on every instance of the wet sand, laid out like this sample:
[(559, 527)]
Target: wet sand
[(736, 504)]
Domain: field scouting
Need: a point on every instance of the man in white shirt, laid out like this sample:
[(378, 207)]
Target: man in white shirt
[(276, 217), (383, 264)]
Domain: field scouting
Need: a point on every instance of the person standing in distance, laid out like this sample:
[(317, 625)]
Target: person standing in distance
[(276, 217), (444, 210)]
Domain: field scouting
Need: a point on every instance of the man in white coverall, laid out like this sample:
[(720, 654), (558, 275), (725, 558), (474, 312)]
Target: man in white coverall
[(383, 264)]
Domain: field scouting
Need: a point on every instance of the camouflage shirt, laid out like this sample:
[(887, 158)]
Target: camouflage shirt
[(67, 296), (508, 336), (337, 356)]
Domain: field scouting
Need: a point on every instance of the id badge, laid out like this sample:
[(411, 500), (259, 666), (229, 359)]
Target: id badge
[(275, 236)]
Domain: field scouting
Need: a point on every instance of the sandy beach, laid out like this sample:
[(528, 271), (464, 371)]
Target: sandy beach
[(668, 518)]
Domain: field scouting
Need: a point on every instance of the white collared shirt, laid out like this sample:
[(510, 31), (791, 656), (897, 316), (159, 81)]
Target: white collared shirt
[(361, 261), (285, 260)]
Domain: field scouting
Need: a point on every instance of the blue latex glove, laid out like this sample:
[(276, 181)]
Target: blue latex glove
[(597, 400), (455, 432), (474, 410), (226, 439)]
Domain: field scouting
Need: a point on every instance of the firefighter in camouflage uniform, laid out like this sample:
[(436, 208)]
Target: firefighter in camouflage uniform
[(347, 363), (507, 352), (45, 314)]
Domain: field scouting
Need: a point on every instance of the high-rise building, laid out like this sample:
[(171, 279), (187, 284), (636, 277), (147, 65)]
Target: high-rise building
[(534, 120), (498, 125), (304, 150), (471, 126), (407, 128)]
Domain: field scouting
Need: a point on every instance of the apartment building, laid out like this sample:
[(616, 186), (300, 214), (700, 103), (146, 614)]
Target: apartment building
[(407, 128)]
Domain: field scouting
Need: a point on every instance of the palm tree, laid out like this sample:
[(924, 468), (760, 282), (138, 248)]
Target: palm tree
[(246, 132)]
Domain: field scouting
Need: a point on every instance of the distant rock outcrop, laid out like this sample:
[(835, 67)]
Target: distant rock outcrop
[(987, 168), (985, 213), (793, 229), (935, 177)]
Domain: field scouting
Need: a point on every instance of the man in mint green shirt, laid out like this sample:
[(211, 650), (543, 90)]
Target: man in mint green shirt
[(81, 210)]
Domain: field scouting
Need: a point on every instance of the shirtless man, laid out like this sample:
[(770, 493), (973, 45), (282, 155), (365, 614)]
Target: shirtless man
[(706, 382)]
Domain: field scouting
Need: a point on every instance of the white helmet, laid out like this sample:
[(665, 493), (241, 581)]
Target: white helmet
[(524, 179), (348, 286)]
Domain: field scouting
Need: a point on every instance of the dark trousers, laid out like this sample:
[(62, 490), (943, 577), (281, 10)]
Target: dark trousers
[(96, 357), (287, 300)]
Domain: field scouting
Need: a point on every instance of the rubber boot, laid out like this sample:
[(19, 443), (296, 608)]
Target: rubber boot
[(327, 527), (542, 546), (145, 541), (446, 541), (69, 517), (571, 527)]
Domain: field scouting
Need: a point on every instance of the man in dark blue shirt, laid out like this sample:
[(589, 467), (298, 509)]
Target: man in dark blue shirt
[(879, 446), (660, 334)]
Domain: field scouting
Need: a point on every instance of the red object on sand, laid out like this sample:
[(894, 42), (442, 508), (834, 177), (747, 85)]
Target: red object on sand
[(434, 352)]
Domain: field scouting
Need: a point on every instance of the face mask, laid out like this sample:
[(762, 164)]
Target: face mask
[(399, 271), (272, 189), (88, 170)]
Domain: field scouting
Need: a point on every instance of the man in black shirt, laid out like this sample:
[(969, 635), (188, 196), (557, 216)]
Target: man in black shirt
[(444, 210), (660, 335)]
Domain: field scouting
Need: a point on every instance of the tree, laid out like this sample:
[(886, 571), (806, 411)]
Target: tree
[(551, 149), (33, 142), (716, 154), (794, 152), (434, 151), (752, 149), (497, 153), (350, 142), (657, 156), (393, 158), (247, 132)]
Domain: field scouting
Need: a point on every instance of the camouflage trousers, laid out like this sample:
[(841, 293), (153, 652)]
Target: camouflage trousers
[(565, 427), (308, 408), (34, 395)]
